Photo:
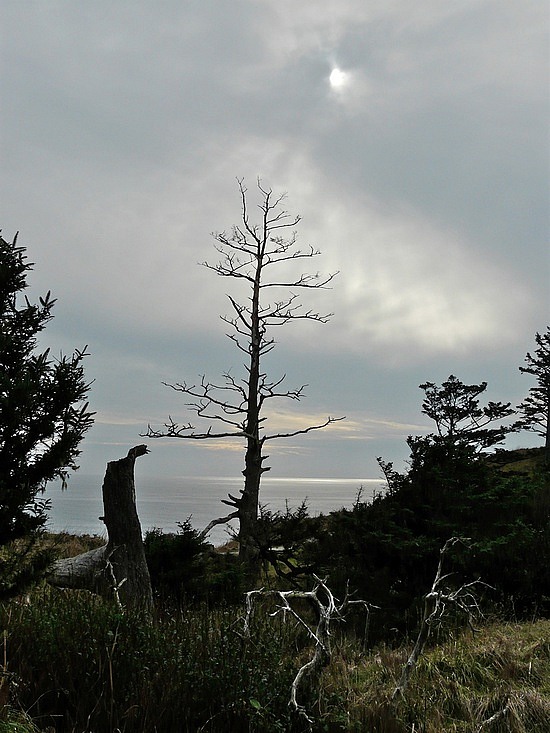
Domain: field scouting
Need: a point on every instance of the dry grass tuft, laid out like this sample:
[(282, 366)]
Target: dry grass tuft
[(70, 545)]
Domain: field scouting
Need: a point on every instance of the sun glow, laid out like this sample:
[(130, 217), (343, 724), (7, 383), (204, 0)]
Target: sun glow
[(338, 79)]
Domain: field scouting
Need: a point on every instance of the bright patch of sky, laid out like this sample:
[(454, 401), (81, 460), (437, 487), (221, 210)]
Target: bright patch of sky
[(339, 79)]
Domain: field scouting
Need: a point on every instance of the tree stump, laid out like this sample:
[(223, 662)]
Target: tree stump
[(119, 568)]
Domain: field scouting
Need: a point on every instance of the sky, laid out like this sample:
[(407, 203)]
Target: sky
[(411, 138)]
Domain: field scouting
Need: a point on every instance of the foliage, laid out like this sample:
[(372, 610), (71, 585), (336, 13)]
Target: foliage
[(183, 568), (43, 418), (387, 548), (393, 542), (280, 535), (77, 664), (66, 545), (501, 672), (13, 721), (82, 665), (458, 416)]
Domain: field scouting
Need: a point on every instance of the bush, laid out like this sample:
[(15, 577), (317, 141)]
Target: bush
[(184, 568), (388, 548)]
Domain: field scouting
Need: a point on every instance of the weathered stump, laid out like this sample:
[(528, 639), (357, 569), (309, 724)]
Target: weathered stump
[(119, 568)]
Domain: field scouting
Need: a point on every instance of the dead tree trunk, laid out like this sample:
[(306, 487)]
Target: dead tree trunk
[(119, 568)]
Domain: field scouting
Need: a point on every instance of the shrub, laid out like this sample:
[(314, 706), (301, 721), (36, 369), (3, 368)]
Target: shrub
[(184, 568), (388, 548)]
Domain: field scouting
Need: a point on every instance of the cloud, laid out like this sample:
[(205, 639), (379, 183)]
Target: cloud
[(354, 426), (404, 283), (142, 219), (423, 180)]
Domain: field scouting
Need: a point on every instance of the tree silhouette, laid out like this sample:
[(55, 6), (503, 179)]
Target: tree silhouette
[(43, 418), (459, 418), (249, 254), (535, 408)]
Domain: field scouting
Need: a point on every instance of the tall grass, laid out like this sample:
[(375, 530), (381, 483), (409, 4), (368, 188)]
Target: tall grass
[(84, 666), (502, 673), (77, 665)]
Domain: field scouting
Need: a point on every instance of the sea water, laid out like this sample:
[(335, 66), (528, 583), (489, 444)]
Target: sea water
[(164, 502)]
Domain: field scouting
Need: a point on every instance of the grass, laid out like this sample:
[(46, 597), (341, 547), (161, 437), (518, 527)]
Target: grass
[(77, 664), (80, 665), (503, 672), (70, 545)]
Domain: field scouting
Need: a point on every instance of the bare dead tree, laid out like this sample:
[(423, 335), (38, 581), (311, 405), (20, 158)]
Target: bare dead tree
[(328, 609), (436, 604), (249, 254)]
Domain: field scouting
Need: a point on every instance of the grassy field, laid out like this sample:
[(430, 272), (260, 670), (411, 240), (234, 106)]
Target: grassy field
[(73, 663)]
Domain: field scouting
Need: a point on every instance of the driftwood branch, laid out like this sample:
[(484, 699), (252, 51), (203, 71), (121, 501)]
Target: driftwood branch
[(215, 522), (493, 719), (82, 571), (328, 609), (436, 603)]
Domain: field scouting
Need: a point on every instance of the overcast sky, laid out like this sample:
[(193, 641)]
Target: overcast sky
[(412, 138)]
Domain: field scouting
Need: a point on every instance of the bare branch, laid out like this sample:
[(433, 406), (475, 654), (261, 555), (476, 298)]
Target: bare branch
[(215, 522), (174, 430), (435, 607), (205, 393), (240, 310), (328, 609), (328, 421), (312, 281), (493, 719)]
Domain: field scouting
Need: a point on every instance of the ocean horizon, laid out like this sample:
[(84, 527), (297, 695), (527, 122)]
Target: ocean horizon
[(163, 502)]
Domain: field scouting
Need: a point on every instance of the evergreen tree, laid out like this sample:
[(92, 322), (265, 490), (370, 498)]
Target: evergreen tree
[(43, 418), (535, 408), (458, 416)]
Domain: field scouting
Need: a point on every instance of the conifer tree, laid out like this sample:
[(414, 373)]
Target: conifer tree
[(460, 419), (535, 408), (43, 417)]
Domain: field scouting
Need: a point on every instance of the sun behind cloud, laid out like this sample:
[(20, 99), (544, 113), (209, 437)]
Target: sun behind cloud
[(338, 79)]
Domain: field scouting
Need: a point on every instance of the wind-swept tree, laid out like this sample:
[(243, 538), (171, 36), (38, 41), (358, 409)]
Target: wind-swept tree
[(535, 408), (43, 417), (464, 430), (255, 254), (458, 416)]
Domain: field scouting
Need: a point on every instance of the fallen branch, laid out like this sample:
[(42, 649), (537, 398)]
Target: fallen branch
[(328, 608), (435, 607), (493, 719)]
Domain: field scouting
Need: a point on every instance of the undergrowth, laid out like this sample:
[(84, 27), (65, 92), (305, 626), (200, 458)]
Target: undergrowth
[(81, 665), (76, 664)]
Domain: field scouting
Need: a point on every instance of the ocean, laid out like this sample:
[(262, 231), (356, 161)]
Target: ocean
[(163, 502)]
